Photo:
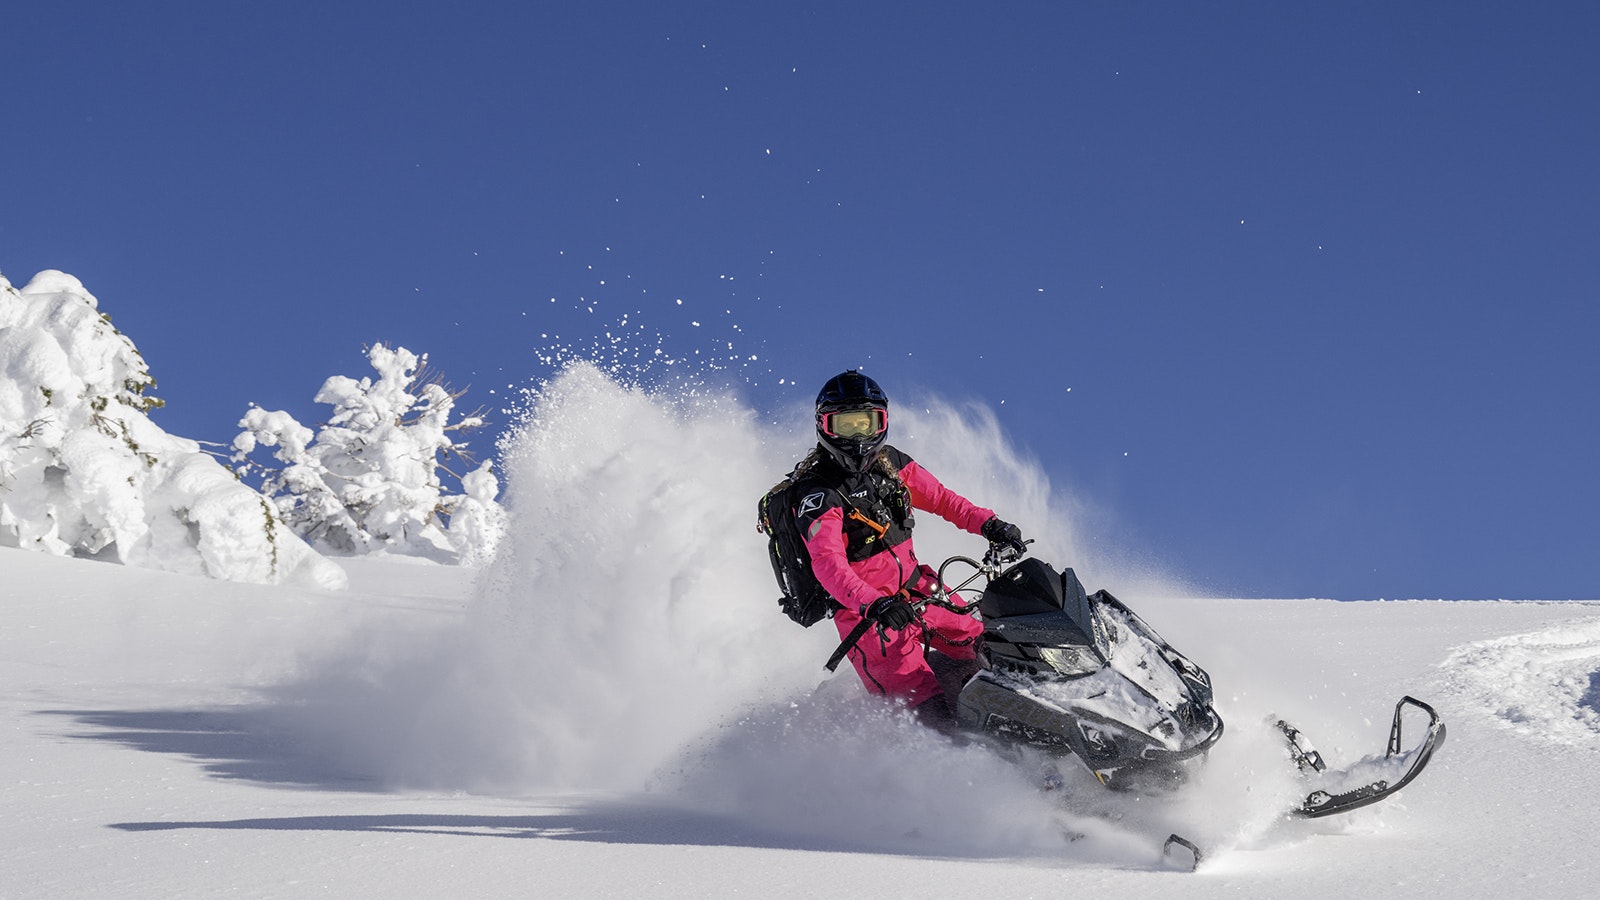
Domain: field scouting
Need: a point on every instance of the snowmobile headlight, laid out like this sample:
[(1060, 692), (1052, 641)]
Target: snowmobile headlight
[(1071, 661)]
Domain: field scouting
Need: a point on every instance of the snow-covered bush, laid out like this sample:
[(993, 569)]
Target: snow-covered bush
[(369, 479), (84, 472)]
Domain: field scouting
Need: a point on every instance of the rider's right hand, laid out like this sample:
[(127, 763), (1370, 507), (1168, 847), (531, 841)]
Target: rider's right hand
[(892, 612)]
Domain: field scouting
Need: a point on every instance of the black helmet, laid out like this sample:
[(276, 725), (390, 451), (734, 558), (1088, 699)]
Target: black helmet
[(852, 420)]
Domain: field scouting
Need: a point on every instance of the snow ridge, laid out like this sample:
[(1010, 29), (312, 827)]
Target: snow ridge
[(1544, 684)]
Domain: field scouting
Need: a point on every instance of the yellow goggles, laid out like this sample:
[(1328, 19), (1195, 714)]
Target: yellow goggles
[(855, 423)]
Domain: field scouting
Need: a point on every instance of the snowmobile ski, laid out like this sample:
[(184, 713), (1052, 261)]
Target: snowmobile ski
[(1367, 791)]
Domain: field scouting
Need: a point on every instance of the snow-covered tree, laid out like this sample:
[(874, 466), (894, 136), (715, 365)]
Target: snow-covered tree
[(84, 472), (369, 479)]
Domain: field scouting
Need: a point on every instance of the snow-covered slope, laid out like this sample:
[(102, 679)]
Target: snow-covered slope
[(614, 707), (151, 749)]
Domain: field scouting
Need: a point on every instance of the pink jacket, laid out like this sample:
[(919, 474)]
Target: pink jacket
[(884, 569)]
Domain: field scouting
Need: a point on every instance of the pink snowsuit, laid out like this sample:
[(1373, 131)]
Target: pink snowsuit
[(858, 563)]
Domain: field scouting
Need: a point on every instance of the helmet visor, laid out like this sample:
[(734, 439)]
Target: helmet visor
[(854, 424)]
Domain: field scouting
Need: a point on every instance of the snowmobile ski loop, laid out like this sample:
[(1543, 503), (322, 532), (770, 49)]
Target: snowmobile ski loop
[(1321, 803)]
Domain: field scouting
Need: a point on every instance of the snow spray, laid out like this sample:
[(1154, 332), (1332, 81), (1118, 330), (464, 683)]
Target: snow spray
[(626, 638)]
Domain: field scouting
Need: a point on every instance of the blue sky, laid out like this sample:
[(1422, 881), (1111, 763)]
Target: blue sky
[(1322, 281)]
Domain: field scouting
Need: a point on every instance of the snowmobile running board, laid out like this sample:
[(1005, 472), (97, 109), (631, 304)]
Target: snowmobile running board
[(1322, 803)]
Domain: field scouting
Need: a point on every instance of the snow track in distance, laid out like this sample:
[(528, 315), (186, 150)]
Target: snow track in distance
[(1544, 684)]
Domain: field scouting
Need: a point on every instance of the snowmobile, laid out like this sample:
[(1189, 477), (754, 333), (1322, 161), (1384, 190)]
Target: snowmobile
[(1081, 675)]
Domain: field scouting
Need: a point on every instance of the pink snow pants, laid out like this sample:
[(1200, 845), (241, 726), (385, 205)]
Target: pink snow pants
[(894, 664)]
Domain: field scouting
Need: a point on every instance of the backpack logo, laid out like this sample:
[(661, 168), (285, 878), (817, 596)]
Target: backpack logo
[(811, 503)]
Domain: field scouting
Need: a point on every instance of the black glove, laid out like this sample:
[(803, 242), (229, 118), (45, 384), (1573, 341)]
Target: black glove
[(892, 612), (999, 531)]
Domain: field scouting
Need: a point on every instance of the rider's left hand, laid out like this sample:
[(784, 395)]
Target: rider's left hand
[(999, 531)]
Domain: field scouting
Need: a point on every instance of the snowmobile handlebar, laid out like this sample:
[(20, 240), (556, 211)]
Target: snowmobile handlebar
[(1004, 553), (995, 560)]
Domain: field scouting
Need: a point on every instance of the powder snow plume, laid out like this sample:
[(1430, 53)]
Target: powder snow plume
[(629, 607), (626, 637)]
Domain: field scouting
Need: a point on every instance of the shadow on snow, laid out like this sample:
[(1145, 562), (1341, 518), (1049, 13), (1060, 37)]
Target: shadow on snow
[(1591, 697), (232, 744), (619, 824), (246, 746)]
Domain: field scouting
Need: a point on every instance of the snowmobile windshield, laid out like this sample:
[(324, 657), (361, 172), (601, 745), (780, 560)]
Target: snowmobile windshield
[(1033, 603), (855, 423)]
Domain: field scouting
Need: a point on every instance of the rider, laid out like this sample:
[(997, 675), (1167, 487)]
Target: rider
[(855, 513)]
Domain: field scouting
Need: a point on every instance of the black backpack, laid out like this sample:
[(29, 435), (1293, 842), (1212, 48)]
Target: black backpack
[(804, 600)]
